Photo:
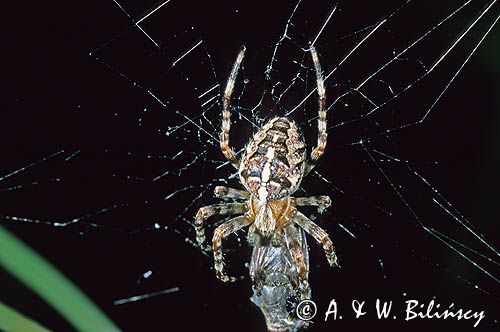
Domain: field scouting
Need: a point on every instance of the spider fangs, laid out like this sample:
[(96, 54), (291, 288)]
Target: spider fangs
[(271, 169)]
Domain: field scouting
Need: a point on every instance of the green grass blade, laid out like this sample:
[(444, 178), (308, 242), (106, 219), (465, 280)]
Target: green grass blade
[(13, 321), (40, 276)]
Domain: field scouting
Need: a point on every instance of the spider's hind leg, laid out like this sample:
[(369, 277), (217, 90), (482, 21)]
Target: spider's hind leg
[(227, 150), (220, 233), (318, 151)]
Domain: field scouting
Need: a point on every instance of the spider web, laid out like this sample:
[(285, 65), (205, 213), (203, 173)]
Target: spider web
[(110, 159)]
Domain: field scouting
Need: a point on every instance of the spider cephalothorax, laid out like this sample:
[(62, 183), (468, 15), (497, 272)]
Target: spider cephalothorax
[(271, 170)]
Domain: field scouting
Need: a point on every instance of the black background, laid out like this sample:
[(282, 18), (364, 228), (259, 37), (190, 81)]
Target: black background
[(60, 97)]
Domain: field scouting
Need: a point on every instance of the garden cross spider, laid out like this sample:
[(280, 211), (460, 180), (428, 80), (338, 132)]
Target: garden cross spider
[(271, 169)]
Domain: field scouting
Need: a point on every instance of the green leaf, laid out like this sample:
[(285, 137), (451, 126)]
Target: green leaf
[(51, 285), (13, 321)]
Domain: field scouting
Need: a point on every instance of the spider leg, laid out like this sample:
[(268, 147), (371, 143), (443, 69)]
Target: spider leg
[(322, 202), (224, 209), (318, 151), (299, 258), (226, 114), (318, 234), (220, 233), (231, 193)]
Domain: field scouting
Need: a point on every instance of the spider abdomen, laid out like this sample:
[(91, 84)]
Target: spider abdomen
[(273, 164)]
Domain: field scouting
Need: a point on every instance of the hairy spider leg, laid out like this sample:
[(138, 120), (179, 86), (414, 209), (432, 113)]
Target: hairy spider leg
[(233, 194), (317, 233), (290, 232), (318, 151), (220, 233), (227, 150), (205, 212), (322, 202)]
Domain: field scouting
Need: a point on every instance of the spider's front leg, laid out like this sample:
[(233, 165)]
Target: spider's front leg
[(318, 234), (322, 202), (224, 209), (220, 233)]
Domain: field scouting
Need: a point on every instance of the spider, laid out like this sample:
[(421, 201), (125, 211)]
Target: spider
[(271, 169)]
